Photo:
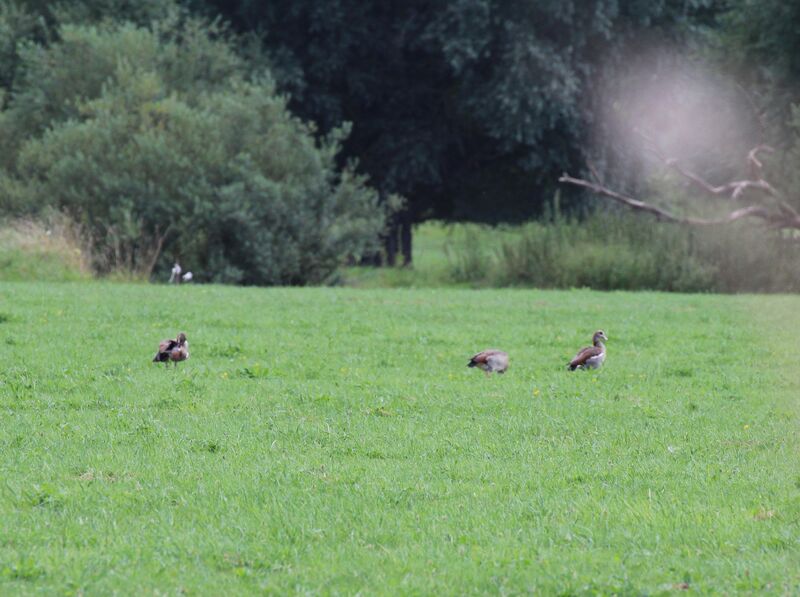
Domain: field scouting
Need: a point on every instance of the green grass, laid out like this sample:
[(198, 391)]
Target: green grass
[(433, 243), (31, 250), (602, 251), (437, 251), (333, 441)]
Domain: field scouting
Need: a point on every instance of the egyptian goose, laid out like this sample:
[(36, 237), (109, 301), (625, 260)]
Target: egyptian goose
[(172, 350), (489, 361), (593, 356), (175, 275)]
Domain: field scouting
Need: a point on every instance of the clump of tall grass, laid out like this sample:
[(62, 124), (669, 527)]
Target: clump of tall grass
[(609, 250), (50, 249)]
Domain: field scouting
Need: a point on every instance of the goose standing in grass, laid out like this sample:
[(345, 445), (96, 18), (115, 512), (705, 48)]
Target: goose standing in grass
[(175, 276), (490, 361), (593, 356), (172, 350)]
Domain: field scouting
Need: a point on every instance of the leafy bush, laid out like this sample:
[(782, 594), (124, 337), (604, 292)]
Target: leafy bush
[(622, 251), (163, 146)]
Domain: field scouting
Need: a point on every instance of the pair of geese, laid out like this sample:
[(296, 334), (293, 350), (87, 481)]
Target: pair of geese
[(591, 357)]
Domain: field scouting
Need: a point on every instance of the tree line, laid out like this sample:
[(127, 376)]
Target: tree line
[(264, 142)]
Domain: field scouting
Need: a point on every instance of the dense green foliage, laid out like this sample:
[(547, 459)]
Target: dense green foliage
[(469, 108), (163, 145), (333, 441), (166, 129), (760, 46), (603, 251), (615, 251)]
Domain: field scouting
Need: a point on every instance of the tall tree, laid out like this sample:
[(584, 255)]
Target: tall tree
[(469, 108), (760, 46), (747, 119)]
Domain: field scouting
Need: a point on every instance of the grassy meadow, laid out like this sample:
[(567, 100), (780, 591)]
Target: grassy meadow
[(604, 250), (333, 441)]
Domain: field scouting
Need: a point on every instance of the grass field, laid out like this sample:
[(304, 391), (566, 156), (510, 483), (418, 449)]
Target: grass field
[(434, 251), (333, 441)]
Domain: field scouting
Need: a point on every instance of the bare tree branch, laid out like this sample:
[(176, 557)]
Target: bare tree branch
[(756, 167), (752, 211), (595, 173), (155, 250), (733, 189), (768, 204)]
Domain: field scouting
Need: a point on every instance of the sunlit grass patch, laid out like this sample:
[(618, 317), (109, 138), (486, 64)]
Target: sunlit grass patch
[(333, 440), (47, 250)]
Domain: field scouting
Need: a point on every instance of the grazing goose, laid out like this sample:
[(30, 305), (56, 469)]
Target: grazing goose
[(593, 356), (489, 361), (172, 350)]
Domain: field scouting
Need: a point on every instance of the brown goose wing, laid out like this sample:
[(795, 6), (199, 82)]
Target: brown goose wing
[(164, 348), (584, 355), (483, 356), (166, 345)]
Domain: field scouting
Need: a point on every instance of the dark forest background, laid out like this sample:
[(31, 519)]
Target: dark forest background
[(264, 142)]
